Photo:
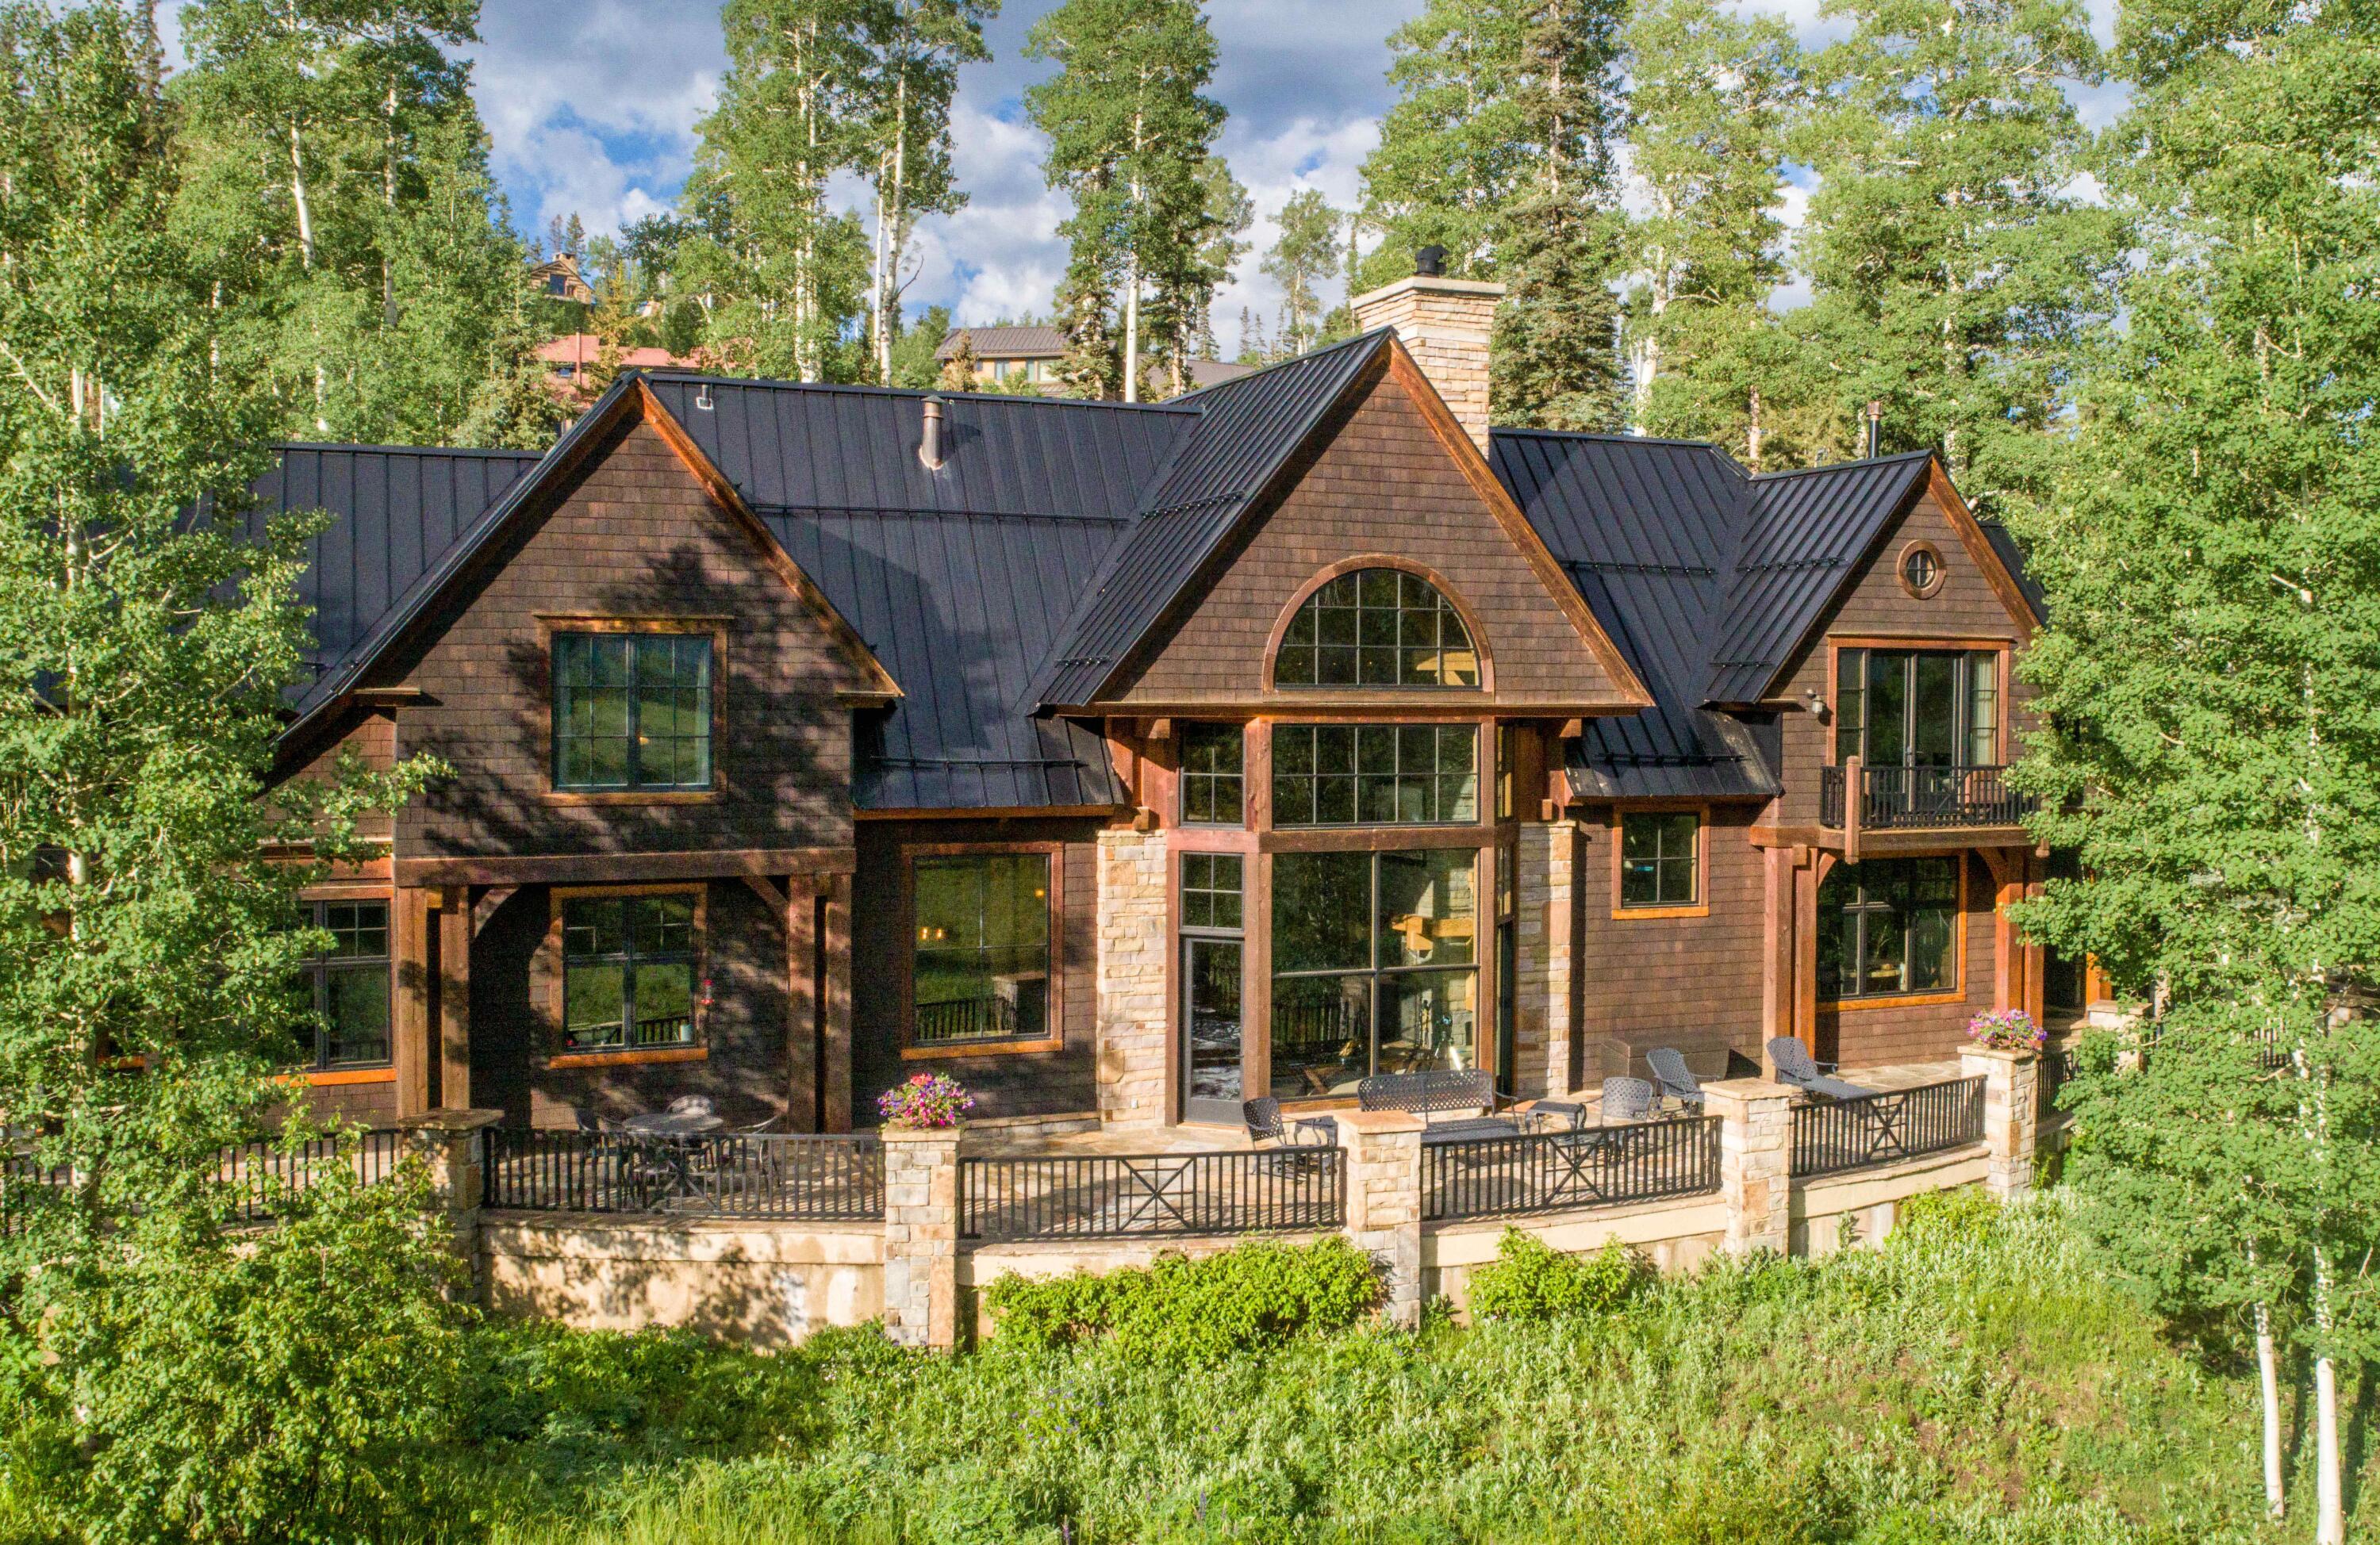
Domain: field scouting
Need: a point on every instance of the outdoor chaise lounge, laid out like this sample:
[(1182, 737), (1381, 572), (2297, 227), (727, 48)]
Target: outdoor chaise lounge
[(1673, 1080), (1797, 1066)]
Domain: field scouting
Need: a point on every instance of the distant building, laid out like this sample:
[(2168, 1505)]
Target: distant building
[(1031, 353), (571, 358), (558, 277)]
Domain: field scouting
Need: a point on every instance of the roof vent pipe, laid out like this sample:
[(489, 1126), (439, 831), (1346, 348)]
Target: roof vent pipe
[(929, 450), (1429, 262), (1875, 430)]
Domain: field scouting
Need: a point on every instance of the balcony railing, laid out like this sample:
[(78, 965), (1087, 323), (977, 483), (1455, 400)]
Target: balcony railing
[(765, 1176), (1901, 799), (1887, 1127), (1555, 1171), (1145, 1195)]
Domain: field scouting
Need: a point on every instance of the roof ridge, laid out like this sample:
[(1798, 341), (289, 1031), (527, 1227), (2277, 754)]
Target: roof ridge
[(1307, 356), (861, 389), (1620, 436), (398, 449), (1839, 466)]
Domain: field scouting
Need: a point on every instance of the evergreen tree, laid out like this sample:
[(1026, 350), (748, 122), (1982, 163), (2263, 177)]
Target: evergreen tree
[(337, 187), (1712, 92), (1499, 150), (1129, 134), (1230, 212), (917, 47), (1951, 267), (2210, 687), (1307, 249)]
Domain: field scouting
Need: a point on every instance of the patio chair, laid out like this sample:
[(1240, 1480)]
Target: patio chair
[(1673, 1080), (1296, 1144), (1627, 1100), (1557, 1116), (1795, 1066)]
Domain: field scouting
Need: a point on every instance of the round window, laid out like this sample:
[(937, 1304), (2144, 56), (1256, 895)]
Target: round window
[(1921, 569)]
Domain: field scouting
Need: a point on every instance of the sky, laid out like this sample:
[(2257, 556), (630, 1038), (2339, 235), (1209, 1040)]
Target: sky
[(591, 107)]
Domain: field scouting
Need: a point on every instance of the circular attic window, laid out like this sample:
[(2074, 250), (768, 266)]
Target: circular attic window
[(1921, 569)]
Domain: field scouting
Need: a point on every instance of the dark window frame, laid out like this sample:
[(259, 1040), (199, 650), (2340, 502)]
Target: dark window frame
[(1693, 862), (1308, 638), (1054, 1030), (1311, 778), (1980, 672), (320, 969), (1845, 986), (1204, 788), (696, 956), (559, 632)]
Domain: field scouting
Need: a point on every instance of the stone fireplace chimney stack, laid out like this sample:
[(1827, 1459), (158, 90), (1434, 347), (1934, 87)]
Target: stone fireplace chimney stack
[(1444, 324)]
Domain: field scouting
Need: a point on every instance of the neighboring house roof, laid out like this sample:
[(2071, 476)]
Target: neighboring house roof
[(1205, 373), (1004, 343), (2011, 555), (585, 348), (1643, 528), (1804, 533)]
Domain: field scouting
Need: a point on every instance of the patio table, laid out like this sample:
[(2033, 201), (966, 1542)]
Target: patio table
[(1472, 1128), (674, 1137)]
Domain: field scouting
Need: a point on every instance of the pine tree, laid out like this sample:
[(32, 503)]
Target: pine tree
[(1307, 249), (1129, 134), (1712, 94), (337, 185), (1952, 268), (2210, 687), (917, 47)]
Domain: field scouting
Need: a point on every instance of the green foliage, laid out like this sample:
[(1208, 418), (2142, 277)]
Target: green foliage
[(1531, 1280), (1181, 1311)]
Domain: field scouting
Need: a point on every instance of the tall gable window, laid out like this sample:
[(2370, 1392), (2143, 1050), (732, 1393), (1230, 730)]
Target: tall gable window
[(632, 711), (1377, 628), (350, 984)]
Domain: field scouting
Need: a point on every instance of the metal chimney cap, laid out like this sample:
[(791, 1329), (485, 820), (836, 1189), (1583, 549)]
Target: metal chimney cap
[(1429, 262)]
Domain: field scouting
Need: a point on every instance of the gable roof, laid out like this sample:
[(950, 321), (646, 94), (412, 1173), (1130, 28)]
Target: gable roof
[(1004, 343), (1804, 531), (1643, 528)]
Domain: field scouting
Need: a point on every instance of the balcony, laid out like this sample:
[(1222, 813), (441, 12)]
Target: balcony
[(1918, 799)]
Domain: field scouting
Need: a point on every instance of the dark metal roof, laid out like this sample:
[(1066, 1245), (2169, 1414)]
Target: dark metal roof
[(397, 508), (1236, 436), (1645, 528), (1804, 533), (2011, 556)]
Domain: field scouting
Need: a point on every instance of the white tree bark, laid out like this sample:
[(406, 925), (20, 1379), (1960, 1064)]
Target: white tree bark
[(2268, 1378)]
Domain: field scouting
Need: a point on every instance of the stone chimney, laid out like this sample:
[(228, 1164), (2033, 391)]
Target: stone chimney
[(1444, 324)]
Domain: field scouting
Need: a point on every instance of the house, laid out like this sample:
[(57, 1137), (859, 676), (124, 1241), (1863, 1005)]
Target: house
[(573, 358), (1032, 355), (559, 278), (1123, 761)]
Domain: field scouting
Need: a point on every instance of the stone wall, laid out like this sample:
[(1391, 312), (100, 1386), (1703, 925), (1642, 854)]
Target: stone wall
[(1546, 895), (1133, 954), (1446, 325)]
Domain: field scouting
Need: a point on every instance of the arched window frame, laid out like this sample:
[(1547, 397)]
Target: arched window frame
[(1486, 682)]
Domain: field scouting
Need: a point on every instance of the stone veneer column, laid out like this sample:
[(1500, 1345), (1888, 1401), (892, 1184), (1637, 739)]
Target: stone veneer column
[(1133, 947), (1542, 1031), (449, 1142), (921, 1236), (2011, 1115), (1384, 1200), (1755, 1156), (1446, 325)]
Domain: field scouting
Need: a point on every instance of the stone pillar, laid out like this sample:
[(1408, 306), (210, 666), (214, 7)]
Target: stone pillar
[(1133, 952), (1445, 324), (1755, 1156), (1543, 1032), (921, 1235), (449, 1144), (1384, 1200), (2011, 1115)]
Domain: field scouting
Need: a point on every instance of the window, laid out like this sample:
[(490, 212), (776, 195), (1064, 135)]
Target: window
[(628, 966), (1889, 926), (1659, 866), (1375, 967), (1211, 890), (1921, 570), (350, 985), (1211, 774), (1377, 628), (981, 971), (1213, 957), (1918, 708), (1341, 774), (631, 710)]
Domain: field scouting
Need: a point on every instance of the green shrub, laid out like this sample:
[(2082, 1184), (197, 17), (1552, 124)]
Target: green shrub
[(1531, 1280), (1969, 1213), (1185, 1313)]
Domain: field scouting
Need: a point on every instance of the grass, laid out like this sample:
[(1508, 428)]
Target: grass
[(1975, 1381)]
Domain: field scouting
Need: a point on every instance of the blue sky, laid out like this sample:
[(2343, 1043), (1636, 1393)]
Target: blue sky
[(590, 105)]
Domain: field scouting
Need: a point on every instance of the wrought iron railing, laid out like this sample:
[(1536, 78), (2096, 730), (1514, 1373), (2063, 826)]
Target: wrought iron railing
[(1555, 1172), (1924, 798), (1886, 1128), (1145, 1195), (21, 1179), (755, 1176), (256, 1171), (967, 1018), (2058, 1065)]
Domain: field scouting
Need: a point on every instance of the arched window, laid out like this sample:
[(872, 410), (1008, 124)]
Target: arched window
[(1377, 628)]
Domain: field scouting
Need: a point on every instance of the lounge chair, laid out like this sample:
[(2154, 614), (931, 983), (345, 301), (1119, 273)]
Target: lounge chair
[(1797, 1066), (1673, 1080), (1627, 1100), (1294, 1145)]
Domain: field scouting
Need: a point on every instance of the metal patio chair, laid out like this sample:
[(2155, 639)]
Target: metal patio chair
[(1296, 1144), (1673, 1080), (1795, 1066), (1627, 1100)]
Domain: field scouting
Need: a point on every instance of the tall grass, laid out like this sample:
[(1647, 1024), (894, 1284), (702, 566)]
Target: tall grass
[(1974, 1380)]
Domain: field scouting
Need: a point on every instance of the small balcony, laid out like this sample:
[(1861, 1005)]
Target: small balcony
[(1918, 799)]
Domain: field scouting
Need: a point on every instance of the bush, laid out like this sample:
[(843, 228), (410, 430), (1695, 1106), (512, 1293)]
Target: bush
[(1531, 1280), (1969, 1213), (1186, 1312)]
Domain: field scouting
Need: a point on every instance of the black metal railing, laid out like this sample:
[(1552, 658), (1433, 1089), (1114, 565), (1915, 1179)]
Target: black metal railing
[(1555, 1172), (968, 1019), (1882, 1129), (2058, 1065), (1922, 797), (758, 1176), (21, 1178), (1145, 1195), (256, 1171)]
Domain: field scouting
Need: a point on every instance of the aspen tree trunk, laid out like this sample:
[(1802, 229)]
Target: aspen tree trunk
[(1132, 274), (1752, 433), (2268, 1381), (388, 201), (889, 299)]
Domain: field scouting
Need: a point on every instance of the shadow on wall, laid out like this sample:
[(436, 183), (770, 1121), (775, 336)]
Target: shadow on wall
[(761, 1288)]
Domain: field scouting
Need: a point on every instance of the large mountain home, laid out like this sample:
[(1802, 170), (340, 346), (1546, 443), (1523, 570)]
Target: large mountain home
[(1016, 357), (1126, 761)]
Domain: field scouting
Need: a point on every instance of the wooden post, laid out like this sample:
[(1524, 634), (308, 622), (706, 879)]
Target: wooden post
[(1854, 807), (410, 1013), (1805, 948), (835, 931), (1776, 948), (455, 1000), (2008, 954), (803, 1094)]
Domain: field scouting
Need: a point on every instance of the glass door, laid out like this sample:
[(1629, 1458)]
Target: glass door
[(1212, 1028)]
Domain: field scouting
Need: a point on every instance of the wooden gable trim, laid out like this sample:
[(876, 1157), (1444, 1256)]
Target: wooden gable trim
[(877, 683), (1473, 462), (1979, 548)]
